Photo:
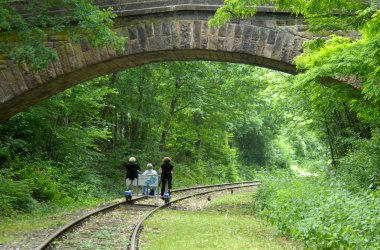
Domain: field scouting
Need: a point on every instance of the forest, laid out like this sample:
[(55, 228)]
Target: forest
[(219, 122)]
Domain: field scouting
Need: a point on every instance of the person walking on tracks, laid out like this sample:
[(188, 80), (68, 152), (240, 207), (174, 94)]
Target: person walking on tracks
[(132, 169), (166, 171)]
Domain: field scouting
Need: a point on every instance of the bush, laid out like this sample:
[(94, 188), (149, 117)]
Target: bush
[(361, 167), (323, 214), (15, 197)]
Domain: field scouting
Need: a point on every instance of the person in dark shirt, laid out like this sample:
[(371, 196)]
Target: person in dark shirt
[(132, 169), (166, 171)]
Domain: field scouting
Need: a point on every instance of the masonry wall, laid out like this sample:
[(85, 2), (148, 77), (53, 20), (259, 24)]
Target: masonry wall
[(270, 39)]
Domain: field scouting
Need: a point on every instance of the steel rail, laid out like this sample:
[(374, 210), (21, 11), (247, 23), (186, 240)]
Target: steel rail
[(78, 221), (133, 241)]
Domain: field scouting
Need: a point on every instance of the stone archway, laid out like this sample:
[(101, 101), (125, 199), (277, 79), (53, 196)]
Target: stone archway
[(157, 32)]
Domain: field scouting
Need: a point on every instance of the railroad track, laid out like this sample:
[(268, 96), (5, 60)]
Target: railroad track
[(122, 221)]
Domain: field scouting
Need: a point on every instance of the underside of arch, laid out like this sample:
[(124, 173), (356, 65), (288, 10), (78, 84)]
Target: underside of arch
[(267, 40)]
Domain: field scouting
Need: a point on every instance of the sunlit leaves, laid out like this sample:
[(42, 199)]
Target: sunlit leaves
[(23, 39), (317, 12), (231, 9), (96, 24), (371, 28), (331, 218)]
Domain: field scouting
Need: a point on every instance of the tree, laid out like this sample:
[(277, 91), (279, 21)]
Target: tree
[(351, 59), (24, 31)]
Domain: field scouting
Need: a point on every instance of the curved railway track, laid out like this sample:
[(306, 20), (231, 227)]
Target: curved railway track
[(130, 215)]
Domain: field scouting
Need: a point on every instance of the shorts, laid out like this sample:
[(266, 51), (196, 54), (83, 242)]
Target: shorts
[(131, 181)]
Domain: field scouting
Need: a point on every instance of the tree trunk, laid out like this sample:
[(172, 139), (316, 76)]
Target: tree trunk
[(135, 122), (165, 130)]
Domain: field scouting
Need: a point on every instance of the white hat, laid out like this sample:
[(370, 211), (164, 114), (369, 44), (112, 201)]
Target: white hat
[(132, 159), (149, 165)]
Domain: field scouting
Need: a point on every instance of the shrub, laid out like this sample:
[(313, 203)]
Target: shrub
[(321, 213), (361, 166), (15, 197)]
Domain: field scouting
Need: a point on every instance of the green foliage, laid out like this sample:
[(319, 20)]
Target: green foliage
[(231, 9), (208, 117), (360, 167), (226, 222), (321, 14), (15, 197), (52, 150), (23, 38), (95, 24), (331, 218)]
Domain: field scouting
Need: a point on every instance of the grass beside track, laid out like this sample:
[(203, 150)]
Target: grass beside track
[(21, 230), (226, 222)]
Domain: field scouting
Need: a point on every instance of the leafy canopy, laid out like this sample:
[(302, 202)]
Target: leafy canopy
[(353, 58), (24, 30)]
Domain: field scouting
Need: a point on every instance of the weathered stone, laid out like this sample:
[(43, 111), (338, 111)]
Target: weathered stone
[(11, 82), (149, 30), (157, 31), (132, 33), (197, 28), (175, 32), (16, 72), (238, 31), (185, 35), (58, 67), (66, 67), (272, 37), (79, 55), (6, 92), (142, 38), (277, 48), (222, 31), (92, 57), (166, 29), (85, 45), (221, 43)]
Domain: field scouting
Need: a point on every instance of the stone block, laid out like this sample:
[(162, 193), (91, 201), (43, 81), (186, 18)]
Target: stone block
[(238, 31), (16, 72), (197, 28), (58, 67), (166, 29), (63, 59), (212, 43), (277, 48), (158, 31), (79, 55), (221, 45), (149, 30), (11, 82), (142, 38), (185, 32), (272, 37), (6, 91)]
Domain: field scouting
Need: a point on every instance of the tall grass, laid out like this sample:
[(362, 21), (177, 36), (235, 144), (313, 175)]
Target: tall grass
[(320, 212)]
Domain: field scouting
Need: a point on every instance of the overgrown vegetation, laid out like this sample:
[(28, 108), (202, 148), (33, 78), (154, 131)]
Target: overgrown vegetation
[(72, 146), (322, 213), (25, 28), (218, 122), (338, 99), (225, 223)]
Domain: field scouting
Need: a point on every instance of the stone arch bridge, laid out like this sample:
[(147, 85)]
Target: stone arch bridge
[(161, 30)]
